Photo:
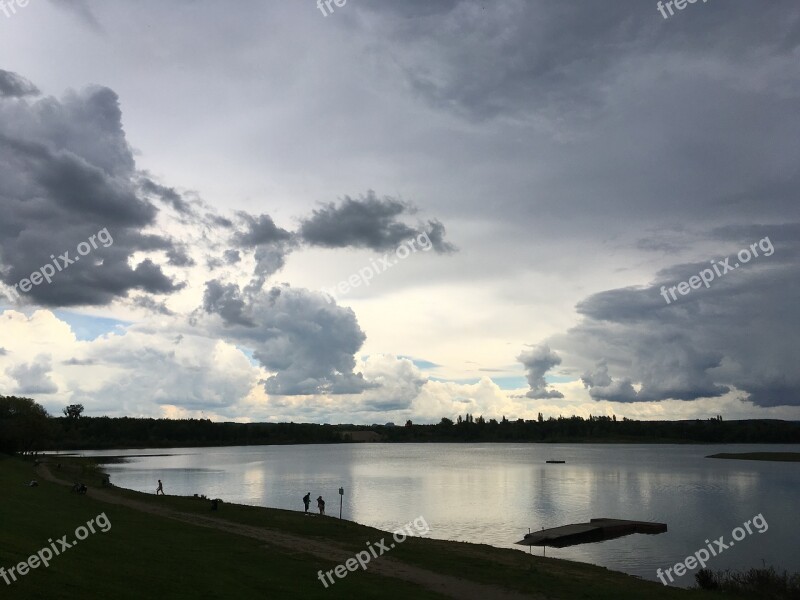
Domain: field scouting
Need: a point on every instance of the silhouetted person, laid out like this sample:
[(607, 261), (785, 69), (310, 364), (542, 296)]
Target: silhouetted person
[(307, 500), (160, 488), (321, 505)]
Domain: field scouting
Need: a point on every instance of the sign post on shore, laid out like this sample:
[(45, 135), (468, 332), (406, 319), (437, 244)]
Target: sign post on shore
[(341, 500)]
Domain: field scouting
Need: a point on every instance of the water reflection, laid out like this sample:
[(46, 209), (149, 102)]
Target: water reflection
[(492, 493)]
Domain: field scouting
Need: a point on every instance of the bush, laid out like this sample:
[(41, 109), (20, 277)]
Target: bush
[(24, 425), (760, 583)]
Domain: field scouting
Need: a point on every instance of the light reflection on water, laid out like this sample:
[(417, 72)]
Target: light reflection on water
[(492, 493)]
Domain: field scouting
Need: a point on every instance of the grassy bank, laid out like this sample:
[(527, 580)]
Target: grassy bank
[(171, 547)]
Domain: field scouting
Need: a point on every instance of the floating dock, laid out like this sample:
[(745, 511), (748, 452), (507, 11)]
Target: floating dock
[(596, 530)]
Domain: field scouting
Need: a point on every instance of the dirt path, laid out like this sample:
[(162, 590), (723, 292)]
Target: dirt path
[(386, 566)]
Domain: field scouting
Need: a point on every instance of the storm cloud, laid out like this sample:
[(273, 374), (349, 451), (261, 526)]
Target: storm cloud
[(15, 86), (368, 222), (739, 333), (67, 172), (581, 156), (307, 342), (537, 361)]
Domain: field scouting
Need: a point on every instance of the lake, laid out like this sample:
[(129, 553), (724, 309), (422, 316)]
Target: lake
[(492, 493)]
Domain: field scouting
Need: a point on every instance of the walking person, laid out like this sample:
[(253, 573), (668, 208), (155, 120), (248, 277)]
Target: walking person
[(321, 505), (160, 489), (307, 500)]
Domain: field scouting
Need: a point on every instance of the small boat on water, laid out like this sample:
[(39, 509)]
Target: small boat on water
[(556, 462)]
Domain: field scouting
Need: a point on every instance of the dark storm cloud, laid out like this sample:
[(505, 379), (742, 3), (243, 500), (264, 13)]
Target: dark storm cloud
[(167, 195), (270, 245), (739, 332), (436, 232), (66, 173), (226, 301), (602, 387), (308, 342), (15, 86), (148, 303), (219, 220), (179, 257), (513, 58), (232, 257), (538, 361), (260, 230), (632, 121), (367, 222)]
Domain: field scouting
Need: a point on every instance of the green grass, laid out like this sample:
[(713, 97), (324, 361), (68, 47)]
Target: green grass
[(145, 555), (480, 563), (773, 456)]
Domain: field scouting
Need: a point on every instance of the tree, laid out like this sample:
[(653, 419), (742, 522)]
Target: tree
[(409, 423), (24, 425), (73, 411)]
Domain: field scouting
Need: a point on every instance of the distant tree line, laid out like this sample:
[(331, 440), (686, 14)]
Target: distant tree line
[(25, 427), (597, 429)]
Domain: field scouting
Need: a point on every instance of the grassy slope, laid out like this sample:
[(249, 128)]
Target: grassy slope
[(147, 556), (144, 555)]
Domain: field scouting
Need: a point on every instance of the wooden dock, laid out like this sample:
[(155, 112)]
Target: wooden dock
[(596, 530)]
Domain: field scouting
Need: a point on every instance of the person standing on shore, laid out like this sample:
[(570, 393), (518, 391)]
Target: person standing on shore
[(307, 500), (321, 505), (160, 488)]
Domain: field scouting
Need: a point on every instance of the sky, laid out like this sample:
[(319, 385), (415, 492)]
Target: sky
[(382, 211)]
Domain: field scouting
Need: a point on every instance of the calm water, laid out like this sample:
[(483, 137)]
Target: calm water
[(492, 493)]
